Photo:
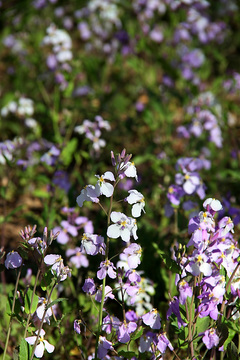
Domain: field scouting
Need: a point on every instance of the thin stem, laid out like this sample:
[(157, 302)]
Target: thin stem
[(12, 311), (42, 321), (33, 293), (227, 286), (104, 279)]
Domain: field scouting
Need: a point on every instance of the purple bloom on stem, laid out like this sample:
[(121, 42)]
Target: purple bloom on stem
[(93, 244), (108, 294), (103, 346), (89, 193), (66, 229), (13, 260), (85, 223), (185, 291), (152, 319), (77, 257), (134, 252), (125, 330), (175, 192), (210, 338), (163, 343), (106, 268), (89, 287), (76, 326), (146, 342), (174, 308), (109, 323)]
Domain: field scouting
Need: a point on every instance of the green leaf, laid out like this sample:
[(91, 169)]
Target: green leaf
[(137, 334), (55, 302), (46, 280), (127, 354), (68, 151), (27, 302), (202, 324), (170, 264), (24, 353), (41, 193), (232, 351)]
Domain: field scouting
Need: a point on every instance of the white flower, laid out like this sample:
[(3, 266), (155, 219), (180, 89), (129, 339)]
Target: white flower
[(25, 107), (124, 226), (137, 199), (130, 170), (106, 188), (41, 309), (214, 204), (43, 344)]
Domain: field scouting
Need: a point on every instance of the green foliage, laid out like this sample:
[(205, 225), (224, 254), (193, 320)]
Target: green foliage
[(30, 302)]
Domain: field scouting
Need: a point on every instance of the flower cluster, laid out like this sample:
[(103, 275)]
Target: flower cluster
[(93, 131), (208, 270), (206, 116), (187, 182)]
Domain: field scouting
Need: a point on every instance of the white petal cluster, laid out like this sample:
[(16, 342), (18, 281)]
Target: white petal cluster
[(123, 227), (105, 187), (61, 42), (43, 344), (24, 107), (137, 199), (214, 204)]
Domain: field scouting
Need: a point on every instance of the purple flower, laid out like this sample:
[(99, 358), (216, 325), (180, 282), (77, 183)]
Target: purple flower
[(93, 244), (66, 229), (13, 260), (134, 252), (103, 346), (108, 293), (152, 319), (125, 330), (109, 323), (174, 308), (185, 291), (175, 192), (210, 338), (106, 268), (89, 193), (146, 342), (89, 287), (76, 326), (163, 343), (77, 257)]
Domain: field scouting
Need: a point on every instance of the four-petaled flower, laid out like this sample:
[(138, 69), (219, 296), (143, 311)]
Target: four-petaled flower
[(105, 187), (43, 344), (124, 226), (137, 199), (152, 319)]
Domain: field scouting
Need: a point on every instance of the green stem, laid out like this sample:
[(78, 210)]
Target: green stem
[(33, 293), (227, 286), (100, 316), (104, 280), (12, 311)]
